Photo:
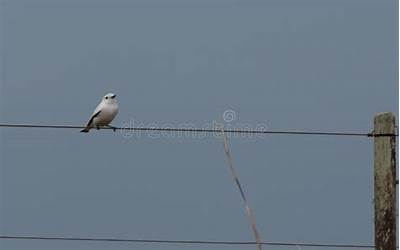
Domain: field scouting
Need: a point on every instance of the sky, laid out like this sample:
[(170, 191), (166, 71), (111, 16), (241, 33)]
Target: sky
[(318, 65)]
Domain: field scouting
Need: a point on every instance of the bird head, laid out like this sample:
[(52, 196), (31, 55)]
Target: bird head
[(109, 98)]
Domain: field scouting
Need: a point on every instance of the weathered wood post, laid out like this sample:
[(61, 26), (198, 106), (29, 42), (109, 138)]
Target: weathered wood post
[(385, 181)]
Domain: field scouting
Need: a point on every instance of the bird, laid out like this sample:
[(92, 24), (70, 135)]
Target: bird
[(104, 113)]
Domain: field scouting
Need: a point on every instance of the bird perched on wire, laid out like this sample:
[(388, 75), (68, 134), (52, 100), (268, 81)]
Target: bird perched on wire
[(103, 114)]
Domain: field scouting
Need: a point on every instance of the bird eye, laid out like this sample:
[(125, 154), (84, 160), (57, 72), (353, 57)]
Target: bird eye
[(106, 97)]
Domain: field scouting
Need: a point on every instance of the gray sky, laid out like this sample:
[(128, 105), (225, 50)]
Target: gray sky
[(287, 64)]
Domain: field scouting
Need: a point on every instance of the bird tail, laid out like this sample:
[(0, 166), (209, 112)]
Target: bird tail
[(85, 130)]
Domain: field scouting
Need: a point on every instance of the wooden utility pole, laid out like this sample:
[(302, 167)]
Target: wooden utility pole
[(385, 181)]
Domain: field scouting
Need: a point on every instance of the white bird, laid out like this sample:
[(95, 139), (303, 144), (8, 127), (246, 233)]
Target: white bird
[(104, 113)]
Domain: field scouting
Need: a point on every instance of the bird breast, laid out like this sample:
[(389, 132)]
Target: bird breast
[(106, 115)]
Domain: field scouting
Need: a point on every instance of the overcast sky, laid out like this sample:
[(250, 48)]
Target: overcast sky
[(325, 65)]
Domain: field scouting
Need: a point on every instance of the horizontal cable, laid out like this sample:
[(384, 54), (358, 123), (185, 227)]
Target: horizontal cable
[(230, 131), (187, 242)]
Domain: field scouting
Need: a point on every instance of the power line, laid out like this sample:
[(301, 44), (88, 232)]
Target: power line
[(201, 130), (187, 242)]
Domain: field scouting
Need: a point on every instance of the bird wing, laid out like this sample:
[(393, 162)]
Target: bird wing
[(95, 114)]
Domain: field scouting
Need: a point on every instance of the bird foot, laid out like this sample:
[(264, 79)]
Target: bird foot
[(113, 128)]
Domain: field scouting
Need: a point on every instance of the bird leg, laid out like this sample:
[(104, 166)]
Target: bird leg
[(113, 128)]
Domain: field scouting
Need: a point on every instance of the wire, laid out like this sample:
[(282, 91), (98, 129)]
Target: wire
[(249, 211), (187, 242), (229, 131)]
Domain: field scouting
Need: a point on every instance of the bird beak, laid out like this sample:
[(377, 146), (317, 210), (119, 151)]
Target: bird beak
[(113, 96)]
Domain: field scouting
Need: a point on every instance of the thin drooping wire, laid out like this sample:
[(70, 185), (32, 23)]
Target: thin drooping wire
[(229, 131), (249, 211), (184, 242)]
